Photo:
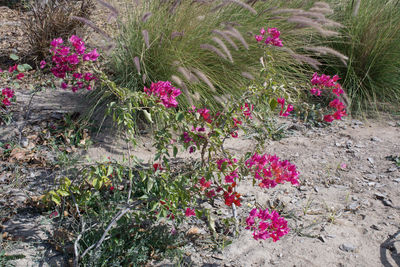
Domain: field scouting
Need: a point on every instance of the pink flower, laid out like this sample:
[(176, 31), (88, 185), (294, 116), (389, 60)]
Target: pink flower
[(78, 44), (234, 134), (12, 68), (262, 31), (42, 64), (53, 214), (204, 184), (328, 118), (56, 42), (6, 101), (259, 38), (20, 76), (7, 92), (289, 108), (92, 55), (266, 224), (77, 75), (189, 212), (64, 85), (74, 89), (165, 92)]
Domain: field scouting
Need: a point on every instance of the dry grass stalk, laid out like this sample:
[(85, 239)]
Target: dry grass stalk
[(302, 59), (327, 50), (145, 35), (204, 78), (235, 33), (227, 38), (137, 64), (223, 46), (247, 75), (244, 5), (307, 22), (176, 34), (182, 85), (356, 8), (188, 75), (146, 16), (213, 49), (113, 10), (321, 5), (326, 11)]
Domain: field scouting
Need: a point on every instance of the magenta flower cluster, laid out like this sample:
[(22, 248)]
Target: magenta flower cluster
[(270, 170), (289, 107), (266, 224), (68, 59), (324, 82), (165, 92), (6, 96), (272, 38)]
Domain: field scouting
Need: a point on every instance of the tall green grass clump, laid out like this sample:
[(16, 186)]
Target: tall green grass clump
[(371, 40), (207, 48)]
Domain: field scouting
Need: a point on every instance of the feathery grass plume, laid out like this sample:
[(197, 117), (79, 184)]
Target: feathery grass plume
[(188, 75), (219, 6), (177, 34), (322, 5), (309, 14), (243, 5), (303, 58), (196, 96), (286, 10), (220, 100), (227, 38), (247, 75), (330, 23), (93, 26), (204, 78), (145, 35), (137, 64), (213, 49), (223, 46), (146, 16), (327, 50), (182, 85), (113, 10), (235, 33), (144, 78), (327, 11), (307, 22)]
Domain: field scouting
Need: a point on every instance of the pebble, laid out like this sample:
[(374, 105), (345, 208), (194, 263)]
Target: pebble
[(376, 139), (24, 142), (347, 247), (316, 189), (353, 206), (375, 227), (397, 180), (393, 169), (371, 160), (322, 238)]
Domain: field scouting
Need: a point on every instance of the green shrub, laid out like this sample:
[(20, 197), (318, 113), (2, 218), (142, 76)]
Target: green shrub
[(371, 40)]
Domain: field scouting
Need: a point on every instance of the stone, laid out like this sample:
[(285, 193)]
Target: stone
[(371, 160), (375, 227), (347, 247), (376, 139)]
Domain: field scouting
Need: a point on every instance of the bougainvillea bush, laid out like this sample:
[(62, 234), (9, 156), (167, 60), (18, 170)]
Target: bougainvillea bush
[(114, 203)]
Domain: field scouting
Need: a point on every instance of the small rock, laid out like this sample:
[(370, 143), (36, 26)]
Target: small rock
[(375, 227), (376, 139), (316, 189), (322, 238), (371, 160), (357, 122), (24, 142), (392, 169), (347, 247), (371, 184), (397, 180), (353, 206), (303, 188), (349, 144), (354, 198)]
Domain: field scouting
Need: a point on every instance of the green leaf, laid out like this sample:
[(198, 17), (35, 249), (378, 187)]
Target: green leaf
[(20, 68), (62, 193), (14, 57), (273, 103), (150, 184), (27, 66), (180, 116), (109, 171), (148, 116), (175, 151)]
